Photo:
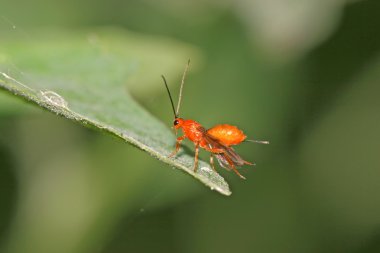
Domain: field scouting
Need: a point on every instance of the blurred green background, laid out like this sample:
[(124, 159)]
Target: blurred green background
[(304, 75)]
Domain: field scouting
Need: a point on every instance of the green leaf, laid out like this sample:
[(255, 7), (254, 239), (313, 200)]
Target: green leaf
[(86, 77)]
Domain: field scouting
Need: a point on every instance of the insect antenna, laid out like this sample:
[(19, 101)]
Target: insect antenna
[(170, 96), (261, 142), (182, 82)]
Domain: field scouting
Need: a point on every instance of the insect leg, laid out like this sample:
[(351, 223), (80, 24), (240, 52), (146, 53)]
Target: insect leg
[(214, 150), (212, 162), (177, 145), (248, 163), (228, 159), (233, 167), (226, 156), (196, 157)]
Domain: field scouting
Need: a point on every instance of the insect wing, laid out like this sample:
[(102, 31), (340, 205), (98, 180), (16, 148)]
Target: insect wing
[(226, 159), (222, 161)]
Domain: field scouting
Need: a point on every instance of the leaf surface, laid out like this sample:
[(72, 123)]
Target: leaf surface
[(86, 77)]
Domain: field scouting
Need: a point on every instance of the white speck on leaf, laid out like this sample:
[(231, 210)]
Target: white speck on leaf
[(54, 99)]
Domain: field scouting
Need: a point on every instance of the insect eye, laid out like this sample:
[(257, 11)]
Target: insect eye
[(176, 122)]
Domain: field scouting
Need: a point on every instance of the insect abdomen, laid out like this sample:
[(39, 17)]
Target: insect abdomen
[(227, 134)]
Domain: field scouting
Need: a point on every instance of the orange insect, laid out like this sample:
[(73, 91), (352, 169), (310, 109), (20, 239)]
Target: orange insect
[(217, 140)]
